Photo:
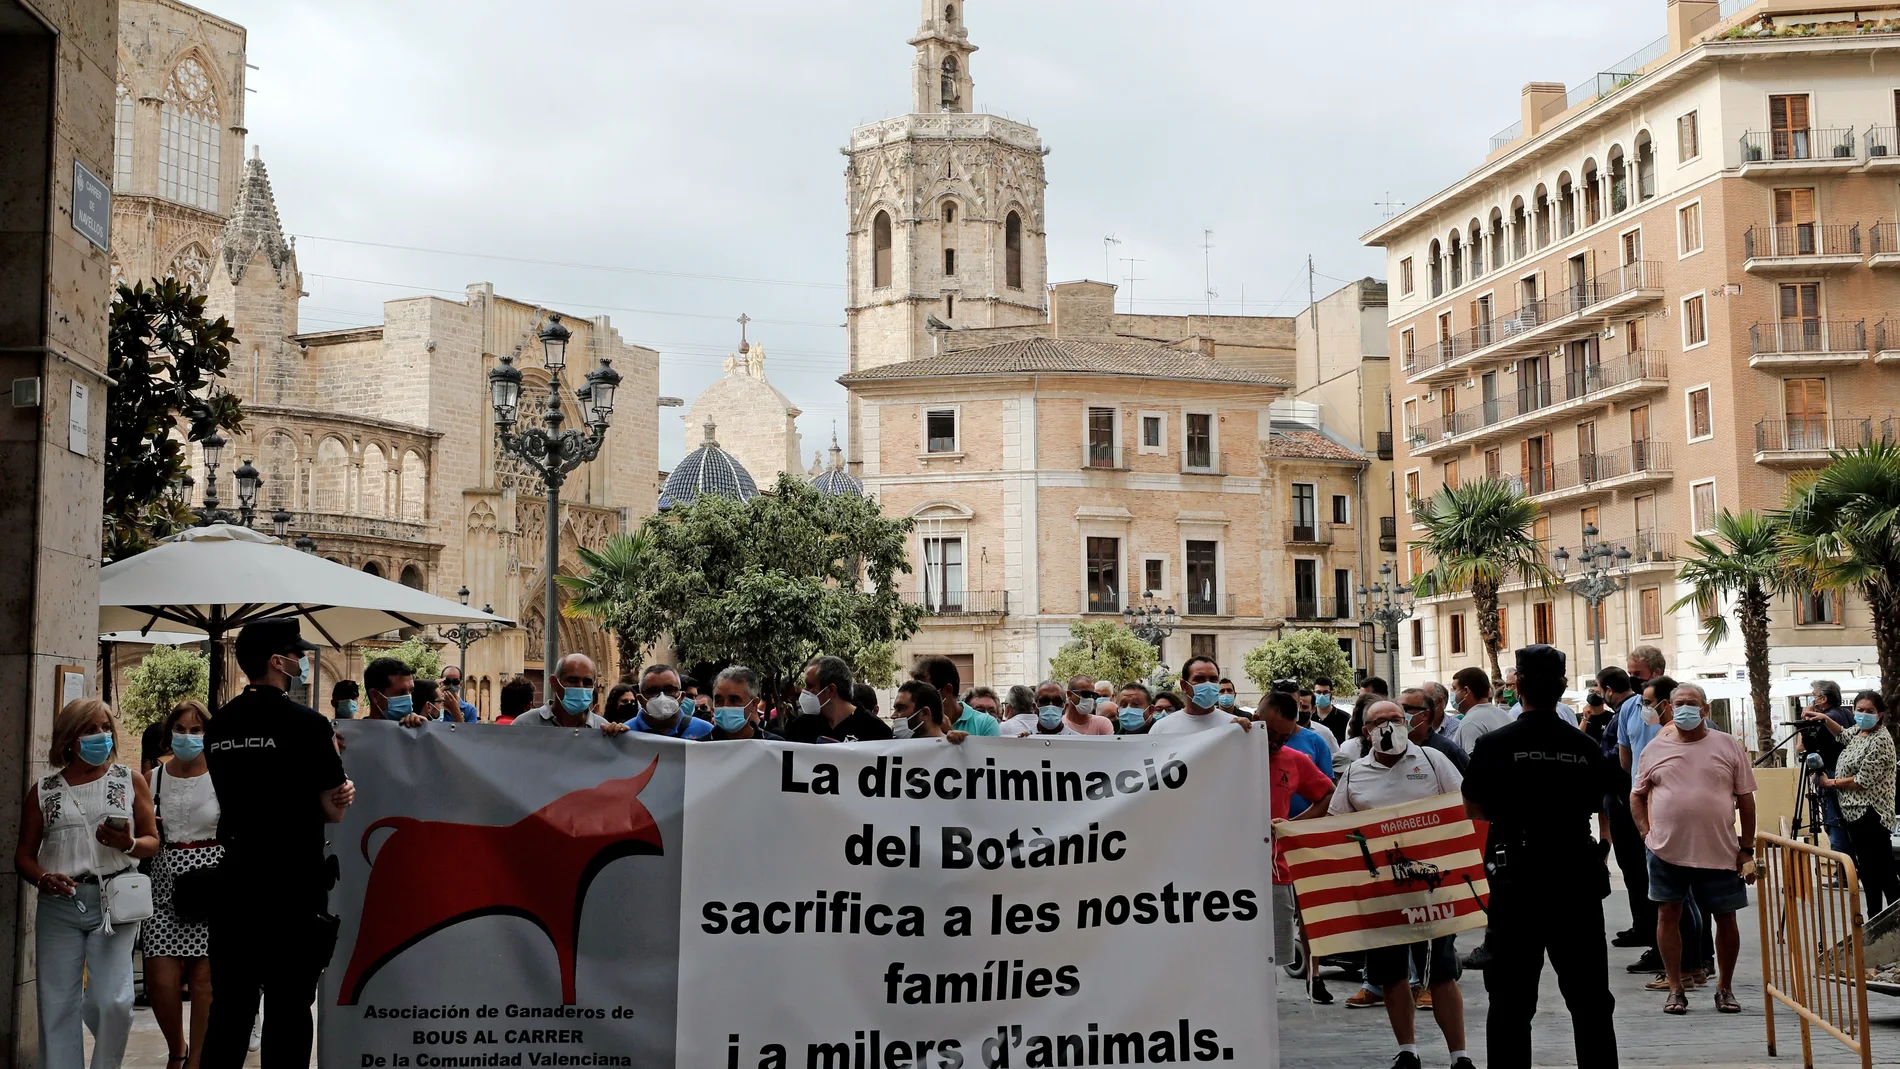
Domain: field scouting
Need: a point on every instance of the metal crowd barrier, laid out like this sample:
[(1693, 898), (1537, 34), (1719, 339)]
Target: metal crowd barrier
[(1813, 957)]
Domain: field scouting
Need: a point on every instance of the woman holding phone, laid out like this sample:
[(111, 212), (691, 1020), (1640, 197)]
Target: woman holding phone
[(177, 939), (88, 822)]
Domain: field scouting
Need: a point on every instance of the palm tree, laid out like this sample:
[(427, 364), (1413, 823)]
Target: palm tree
[(1843, 530), (1479, 537), (1742, 559), (613, 591)]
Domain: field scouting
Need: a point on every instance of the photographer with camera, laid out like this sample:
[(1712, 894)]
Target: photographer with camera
[(1864, 792), (1824, 724)]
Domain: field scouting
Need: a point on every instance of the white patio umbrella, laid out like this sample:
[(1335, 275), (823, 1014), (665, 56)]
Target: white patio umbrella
[(212, 580)]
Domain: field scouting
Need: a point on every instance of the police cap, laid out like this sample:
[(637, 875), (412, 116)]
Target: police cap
[(260, 639), (1540, 662)]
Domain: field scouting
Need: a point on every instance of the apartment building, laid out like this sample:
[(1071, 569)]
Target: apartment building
[(1663, 293)]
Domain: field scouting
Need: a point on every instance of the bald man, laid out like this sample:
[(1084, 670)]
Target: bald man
[(572, 699)]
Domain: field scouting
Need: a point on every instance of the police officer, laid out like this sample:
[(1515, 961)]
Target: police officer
[(1539, 782), (279, 779)]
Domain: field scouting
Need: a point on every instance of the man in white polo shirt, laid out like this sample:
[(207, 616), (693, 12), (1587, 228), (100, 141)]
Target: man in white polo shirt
[(1200, 685), (1396, 770)]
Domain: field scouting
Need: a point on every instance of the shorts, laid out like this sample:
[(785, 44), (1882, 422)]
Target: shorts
[(1716, 890), (1285, 913), (1394, 965)]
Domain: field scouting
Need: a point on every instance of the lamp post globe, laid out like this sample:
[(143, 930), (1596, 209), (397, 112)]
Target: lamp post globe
[(554, 344)]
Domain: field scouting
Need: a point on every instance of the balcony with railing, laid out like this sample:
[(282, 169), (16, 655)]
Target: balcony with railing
[(1805, 343), (1102, 599), (1544, 402), (1883, 244), (1388, 534), (1317, 608), (1309, 533), (1535, 324), (1636, 465), (1385, 445), (1806, 441), (1887, 341), (1209, 604), (1883, 147), (959, 602), (1800, 248), (1799, 151)]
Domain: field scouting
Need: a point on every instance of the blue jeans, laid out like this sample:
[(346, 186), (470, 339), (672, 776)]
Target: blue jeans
[(85, 976), (1837, 837)]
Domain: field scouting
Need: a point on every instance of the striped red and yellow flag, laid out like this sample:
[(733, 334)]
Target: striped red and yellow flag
[(1385, 877)]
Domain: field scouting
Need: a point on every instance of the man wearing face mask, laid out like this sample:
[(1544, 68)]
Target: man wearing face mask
[(390, 685), (573, 700), (941, 672), (1131, 712), (826, 712), (1286, 731), (1052, 710), (1335, 716), (1200, 682), (343, 697), (1419, 713), (1229, 696), (456, 708), (1083, 701), (1297, 789), (666, 708), (1396, 770), (279, 780), (736, 707)]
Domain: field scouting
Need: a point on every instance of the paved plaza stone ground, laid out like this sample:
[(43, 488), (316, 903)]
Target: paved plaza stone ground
[(1334, 1037)]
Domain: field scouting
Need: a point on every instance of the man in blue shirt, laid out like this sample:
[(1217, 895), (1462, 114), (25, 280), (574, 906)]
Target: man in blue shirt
[(452, 690), (1279, 703), (661, 709), (941, 674), (1620, 692)]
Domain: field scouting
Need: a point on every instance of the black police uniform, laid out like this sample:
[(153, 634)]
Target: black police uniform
[(1540, 782), (271, 759)]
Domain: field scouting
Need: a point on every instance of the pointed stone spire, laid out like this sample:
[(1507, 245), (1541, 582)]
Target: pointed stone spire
[(837, 454), (254, 227)]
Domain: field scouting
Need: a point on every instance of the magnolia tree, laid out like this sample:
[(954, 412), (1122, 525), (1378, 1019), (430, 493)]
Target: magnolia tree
[(1302, 656)]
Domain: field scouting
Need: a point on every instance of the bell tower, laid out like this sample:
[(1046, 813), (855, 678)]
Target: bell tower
[(944, 213)]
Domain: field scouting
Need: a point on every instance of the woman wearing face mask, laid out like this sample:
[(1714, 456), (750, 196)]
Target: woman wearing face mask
[(622, 704), (86, 823), (1864, 780), (343, 699), (187, 811)]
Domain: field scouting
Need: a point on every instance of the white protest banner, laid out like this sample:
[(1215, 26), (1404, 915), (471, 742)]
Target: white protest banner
[(540, 897)]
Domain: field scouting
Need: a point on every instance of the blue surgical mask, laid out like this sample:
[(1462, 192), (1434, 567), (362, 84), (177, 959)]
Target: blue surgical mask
[(729, 718), (1688, 718), (95, 749), (577, 699), (1866, 721), (1227, 701), (1049, 716), (303, 669), (187, 747), (1322, 701), (1159, 713), (1131, 719), (400, 705), (1206, 695), (346, 708)]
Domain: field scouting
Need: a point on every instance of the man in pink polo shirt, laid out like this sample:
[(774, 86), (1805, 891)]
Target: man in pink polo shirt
[(1689, 787)]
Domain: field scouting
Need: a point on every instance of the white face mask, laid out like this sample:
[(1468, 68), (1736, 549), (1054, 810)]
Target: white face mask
[(808, 703), (1390, 737)]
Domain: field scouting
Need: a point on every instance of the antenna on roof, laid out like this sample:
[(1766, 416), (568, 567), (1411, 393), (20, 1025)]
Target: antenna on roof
[(1108, 250), (1207, 267), (1132, 279), (1389, 206)]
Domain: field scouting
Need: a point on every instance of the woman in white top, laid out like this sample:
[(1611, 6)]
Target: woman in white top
[(188, 827), (86, 823)]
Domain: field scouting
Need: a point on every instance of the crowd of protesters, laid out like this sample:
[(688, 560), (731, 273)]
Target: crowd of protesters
[(1639, 775)]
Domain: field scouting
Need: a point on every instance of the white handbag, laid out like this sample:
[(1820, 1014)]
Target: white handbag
[(125, 897)]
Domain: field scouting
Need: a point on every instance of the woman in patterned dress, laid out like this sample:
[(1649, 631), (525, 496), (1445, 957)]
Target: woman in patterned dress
[(88, 822), (177, 949), (1864, 778)]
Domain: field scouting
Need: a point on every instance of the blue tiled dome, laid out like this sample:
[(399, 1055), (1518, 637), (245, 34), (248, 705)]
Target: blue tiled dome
[(708, 470), (838, 483)]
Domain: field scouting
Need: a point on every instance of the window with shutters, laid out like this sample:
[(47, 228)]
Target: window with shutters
[(1632, 247), (1405, 277), (1795, 233), (1415, 557), (881, 250), (1418, 638), (1101, 431), (1493, 463), (1414, 489), (1504, 639), (1695, 324), (1817, 608), (1537, 464), (1688, 138), (1204, 646), (1702, 506), (1688, 229), (943, 574), (1451, 475), (1203, 585), (1408, 348), (1596, 622), (1644, 509), (1804, 403), (1650, 599), (1701, 414), (1543, 623), (1104, 574), (1798, 329), (1789, 129), (1455, 633), (1409, 417), (1342, 510)]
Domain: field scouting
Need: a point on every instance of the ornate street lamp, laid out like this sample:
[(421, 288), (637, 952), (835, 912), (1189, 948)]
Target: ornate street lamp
[(1384, 605), (1604, 571), (1149, 621), (465, 635), (248, 480), (306, 544), (280, 524), (551, 452)]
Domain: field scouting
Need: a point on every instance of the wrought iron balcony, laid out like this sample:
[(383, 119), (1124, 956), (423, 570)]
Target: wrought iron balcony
[(1211, 605), (1309, 533), (1388, 534), (1807, 441), (1385, 445), (960, 602), (1808, 343), (1536, 321), (1792, 148), (1595, 473), (1800, 247), (1316, 608), (1544, 401)]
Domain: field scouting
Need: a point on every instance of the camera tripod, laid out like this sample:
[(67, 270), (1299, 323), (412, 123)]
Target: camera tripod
[(1810, 820)]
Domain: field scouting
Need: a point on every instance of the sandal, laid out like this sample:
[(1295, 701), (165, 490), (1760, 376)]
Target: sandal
[(1725, 1001), (1677, 1003)]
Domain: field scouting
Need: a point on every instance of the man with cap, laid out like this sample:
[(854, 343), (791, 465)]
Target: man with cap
[(1539, 781), (279, 778)]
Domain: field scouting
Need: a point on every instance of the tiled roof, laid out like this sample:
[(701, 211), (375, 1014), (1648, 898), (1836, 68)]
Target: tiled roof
[(708, 470), (1030, 355), (1308, 445)]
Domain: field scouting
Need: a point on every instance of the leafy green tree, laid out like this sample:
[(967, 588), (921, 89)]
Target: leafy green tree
[(1741, 559), (422, 656), (615, 592), (1843, 532), (769, 583), (875, 663), (1478, 536), (165, 676), (1304, 655), (164, 359), (1101, 650)]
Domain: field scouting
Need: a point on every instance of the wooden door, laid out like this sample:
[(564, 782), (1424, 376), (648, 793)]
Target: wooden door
[(1788, 123), (1800, 326), (1639, 438), (1794, 222), (1805, 402)]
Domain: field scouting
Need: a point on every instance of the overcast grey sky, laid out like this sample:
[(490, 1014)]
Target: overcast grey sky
[(701, 138)]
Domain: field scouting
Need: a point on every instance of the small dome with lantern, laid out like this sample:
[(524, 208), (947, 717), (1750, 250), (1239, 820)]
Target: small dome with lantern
[(708, 470), (835, 481)]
